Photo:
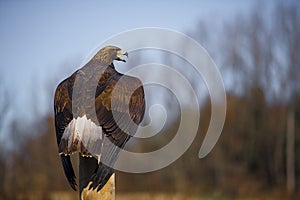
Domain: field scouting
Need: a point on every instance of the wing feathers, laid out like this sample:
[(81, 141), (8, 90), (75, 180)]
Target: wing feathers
[(63, 116), (101, 176), (68, 169)]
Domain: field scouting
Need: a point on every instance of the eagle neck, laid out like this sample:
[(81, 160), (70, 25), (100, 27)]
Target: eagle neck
[(95, 69)]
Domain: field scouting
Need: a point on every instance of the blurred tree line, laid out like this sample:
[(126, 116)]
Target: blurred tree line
[(259, 58)]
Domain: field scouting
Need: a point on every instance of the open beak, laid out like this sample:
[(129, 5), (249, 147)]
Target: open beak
[(120, 55)]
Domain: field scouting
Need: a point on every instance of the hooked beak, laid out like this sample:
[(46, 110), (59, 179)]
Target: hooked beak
[(120, 54)]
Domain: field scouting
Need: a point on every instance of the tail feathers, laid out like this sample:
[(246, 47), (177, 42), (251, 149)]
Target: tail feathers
[(81, 135), (101, 176), (67, 165)]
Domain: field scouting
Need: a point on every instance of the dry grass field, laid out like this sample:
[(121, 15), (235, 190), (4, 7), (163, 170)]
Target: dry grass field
[(151, 196)]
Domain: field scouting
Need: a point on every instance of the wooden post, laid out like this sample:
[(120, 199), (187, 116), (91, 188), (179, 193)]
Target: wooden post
[(106, 193), (290, 153), (87, 167)]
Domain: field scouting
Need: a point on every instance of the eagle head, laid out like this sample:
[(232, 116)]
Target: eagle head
[(108, 54)]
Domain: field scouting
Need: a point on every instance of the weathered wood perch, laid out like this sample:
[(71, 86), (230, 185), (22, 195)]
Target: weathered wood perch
[(106, 193)]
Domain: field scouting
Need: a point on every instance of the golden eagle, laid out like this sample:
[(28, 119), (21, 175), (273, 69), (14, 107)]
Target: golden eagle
[(86, 106)]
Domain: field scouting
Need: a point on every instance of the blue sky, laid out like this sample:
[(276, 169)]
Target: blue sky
[(41, 42)]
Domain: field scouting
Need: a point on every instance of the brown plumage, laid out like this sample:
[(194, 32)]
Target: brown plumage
[(94, 109)]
